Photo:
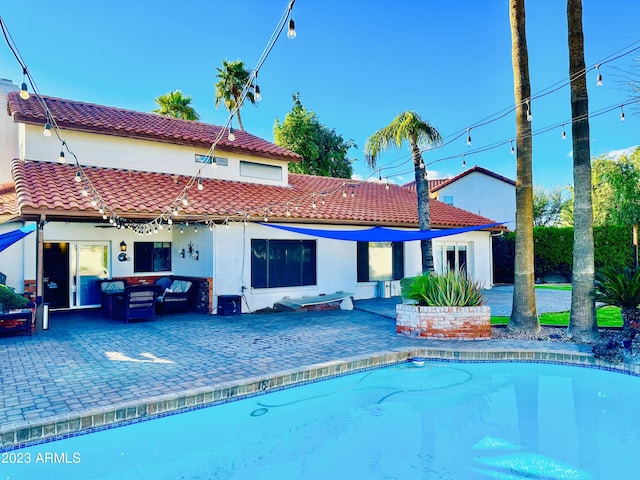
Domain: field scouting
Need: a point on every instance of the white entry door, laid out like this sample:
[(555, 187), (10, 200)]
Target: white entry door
[(89, 262)]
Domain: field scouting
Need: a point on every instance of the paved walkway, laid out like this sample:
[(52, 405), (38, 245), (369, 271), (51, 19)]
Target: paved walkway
[(85, 363)]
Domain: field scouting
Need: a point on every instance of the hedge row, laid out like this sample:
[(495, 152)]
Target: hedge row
[(553, 247)]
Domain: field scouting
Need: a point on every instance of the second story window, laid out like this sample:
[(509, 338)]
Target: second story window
[(219, 161)]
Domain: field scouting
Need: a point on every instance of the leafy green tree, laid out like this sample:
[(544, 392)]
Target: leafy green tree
[(616, 190), (233, 78), (324, 152), (177, 105), (582, 318), (523, 311), (411, 128), (548, 205)]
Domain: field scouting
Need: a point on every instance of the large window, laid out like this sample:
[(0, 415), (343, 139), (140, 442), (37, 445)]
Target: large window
[(282, 263), (380, 261), (260, 170), (151, 257), (452, 256)]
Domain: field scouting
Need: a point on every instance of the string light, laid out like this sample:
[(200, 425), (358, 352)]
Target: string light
[(464, 163), (291, 33), (564, 134), (47, 130), (61, 158), (468, 137), (231, 136), (599, 77), (256, 89), (529, 116), (200, 186), (513, 149), (24, 93), (78, 177), (621, 114)]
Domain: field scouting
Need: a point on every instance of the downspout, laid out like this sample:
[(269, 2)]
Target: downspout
[(40, 273)]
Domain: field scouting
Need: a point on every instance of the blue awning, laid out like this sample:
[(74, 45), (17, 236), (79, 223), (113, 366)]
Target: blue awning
[(9, 238), (381, 234)]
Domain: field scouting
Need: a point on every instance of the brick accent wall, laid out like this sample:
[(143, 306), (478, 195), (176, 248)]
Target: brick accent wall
[(458, 323), (30, 289)]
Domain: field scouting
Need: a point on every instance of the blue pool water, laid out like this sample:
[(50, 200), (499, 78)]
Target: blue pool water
[(437, 421)]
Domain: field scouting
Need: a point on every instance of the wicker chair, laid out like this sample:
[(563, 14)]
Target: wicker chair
[(136, 302)]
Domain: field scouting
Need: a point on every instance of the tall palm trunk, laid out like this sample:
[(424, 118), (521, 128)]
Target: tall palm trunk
[(582, 320), (424, 211), (240, 125), (523, 312)]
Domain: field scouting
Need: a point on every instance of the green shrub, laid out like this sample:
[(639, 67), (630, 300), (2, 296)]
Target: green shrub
[(620, 287), (11, 300), (453, 289), (554, 250)]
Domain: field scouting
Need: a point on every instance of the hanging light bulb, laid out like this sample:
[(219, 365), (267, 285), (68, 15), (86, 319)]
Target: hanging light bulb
[(599, 77), (185, 201), (85, 192), (169, 220), (386, 185), (621, 114), (61, 158), (529, 116), (256, 89), (287, 213), (232, 136), (78, 177), (176, 210), (513, 149), (564, 134), (94, 201), (464, 163), (291, 33), (200, 186), (47, 130), (353, 192), (468, 137), (195, 228), (24, 93), (100, 208), (211, 226), (181, 230)]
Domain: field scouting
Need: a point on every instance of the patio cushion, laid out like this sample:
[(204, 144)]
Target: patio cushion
[(112, 286), (179, 286)]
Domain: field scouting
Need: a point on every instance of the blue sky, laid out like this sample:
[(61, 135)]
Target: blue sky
[(356, 64)]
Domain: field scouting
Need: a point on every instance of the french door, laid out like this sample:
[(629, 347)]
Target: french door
[(71, 273)]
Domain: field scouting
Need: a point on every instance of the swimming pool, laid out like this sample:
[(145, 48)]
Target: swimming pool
[(441, 420)]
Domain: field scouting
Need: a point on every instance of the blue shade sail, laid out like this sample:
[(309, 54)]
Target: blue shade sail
[(9, 238), (381, 234)]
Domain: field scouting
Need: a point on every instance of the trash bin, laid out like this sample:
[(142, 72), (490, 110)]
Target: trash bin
[(229, 305), (384, 289)]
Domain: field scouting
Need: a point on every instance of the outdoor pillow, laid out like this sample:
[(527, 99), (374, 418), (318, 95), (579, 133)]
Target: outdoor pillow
[(180, 286), (115, 286)]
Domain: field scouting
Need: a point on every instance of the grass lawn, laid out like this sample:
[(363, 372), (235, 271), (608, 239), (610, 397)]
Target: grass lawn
[(607, 317), (553, 286)]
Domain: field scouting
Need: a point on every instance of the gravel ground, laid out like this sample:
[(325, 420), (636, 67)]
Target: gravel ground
[(548, 334)]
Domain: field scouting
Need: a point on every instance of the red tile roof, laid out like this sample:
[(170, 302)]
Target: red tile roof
[(477, 169), (411, 186), (438, 183), (49, 188), (88, 117), (8, 199)]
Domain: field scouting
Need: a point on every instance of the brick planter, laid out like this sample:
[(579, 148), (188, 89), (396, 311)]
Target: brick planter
[(445, 323)]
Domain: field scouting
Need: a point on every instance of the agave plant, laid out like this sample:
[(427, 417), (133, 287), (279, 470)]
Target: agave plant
[(620, 287), (453, 289)]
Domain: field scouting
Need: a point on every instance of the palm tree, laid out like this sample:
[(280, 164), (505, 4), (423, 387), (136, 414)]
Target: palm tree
[(409, 127), (523, 310), (233, 80), (582, 319), (176, 104)]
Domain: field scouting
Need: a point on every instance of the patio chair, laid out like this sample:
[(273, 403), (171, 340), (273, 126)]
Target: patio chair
[(136, 302), (176, 298), (109, 289)]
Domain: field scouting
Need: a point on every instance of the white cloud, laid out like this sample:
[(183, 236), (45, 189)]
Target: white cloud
[(570, 154), (614, 154)]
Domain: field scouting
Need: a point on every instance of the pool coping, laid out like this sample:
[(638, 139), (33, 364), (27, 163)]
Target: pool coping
[(19, 435)]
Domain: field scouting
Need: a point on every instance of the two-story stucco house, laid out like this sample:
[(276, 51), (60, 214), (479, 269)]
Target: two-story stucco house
[(117, 211)]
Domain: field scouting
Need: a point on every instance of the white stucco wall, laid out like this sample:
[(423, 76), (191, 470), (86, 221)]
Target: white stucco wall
[(483, 195), (8, 133), (336, 264), (12, 258), (126, 153)]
